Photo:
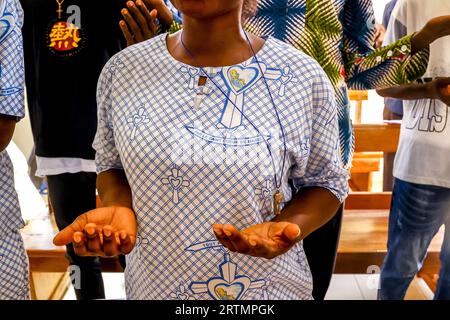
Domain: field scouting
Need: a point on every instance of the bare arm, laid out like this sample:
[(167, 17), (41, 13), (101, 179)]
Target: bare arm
[(310, 209), (107, 231), (437, 89), (434, 29), (7, 126), (114, 189)]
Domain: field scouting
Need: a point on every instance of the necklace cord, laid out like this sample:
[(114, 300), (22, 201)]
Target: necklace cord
[(275, 108), (277, 183)]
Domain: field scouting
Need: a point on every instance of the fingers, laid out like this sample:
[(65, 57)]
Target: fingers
[(447, 90), (65, 236), (126, 33), (237, 238), (139, 23), (164, 14), (232, 238), (138, 15), (133, 25), (95, 242), (79, 244), (110, 244), (223, 238), (126, 242), (150, 19), (291, 234), (92, 235)]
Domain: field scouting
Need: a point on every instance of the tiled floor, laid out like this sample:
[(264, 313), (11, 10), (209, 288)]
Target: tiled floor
[(364, 287), (343, 287)]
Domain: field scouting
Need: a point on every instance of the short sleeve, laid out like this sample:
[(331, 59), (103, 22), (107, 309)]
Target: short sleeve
[(107, 157), (391, 65), (12, 73), (324, 166)]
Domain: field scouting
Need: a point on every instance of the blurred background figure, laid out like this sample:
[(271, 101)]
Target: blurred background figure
[(66, 44)]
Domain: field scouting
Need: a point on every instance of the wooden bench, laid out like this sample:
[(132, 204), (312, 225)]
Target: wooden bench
[(49, 279), (369, 151), (364, 236)]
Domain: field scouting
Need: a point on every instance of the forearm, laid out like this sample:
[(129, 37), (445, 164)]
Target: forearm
[(408, 92), (310, 209), (7, 126), (114, 189), (421, 40), (434, 29)]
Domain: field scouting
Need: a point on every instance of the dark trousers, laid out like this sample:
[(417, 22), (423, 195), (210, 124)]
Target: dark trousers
[(321, 250), (72, 195)]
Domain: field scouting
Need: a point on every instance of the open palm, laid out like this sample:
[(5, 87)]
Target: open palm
[(267, 240), (106, 231)]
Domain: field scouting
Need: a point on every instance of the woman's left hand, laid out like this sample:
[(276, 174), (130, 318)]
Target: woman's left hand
[(267, 240)]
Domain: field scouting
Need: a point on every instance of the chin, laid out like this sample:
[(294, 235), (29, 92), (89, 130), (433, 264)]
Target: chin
[(199, 9)]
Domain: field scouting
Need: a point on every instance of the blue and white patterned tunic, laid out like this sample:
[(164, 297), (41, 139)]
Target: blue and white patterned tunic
[(13, 260), (193, 158)]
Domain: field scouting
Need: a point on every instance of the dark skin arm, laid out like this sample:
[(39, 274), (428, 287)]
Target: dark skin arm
[(434, 29), (308, 211), (437, 89), (107, 231), (7, 126), (139, 22)]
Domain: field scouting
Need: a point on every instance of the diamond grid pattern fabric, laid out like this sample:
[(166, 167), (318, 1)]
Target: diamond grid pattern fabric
[(14, 282), (193, 164), (13, 259), (11, 60), (12, 104)]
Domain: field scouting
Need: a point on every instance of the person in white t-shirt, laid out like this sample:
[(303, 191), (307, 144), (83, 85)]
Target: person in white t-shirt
[(421, 197)]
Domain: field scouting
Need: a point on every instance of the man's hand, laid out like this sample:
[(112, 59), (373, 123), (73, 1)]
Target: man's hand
[(440, 89), (267, 240), (434, 29), (379, 35), (140, 19), (105, 232)]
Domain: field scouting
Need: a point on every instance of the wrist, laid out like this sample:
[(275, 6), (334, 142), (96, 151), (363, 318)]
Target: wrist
[(431, 91), (421, 40)]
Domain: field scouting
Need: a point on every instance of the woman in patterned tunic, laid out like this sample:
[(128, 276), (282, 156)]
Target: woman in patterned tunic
[(340, 35), (188, 170)]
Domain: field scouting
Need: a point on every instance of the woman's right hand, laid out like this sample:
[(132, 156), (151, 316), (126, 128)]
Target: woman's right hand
[(108, 232)]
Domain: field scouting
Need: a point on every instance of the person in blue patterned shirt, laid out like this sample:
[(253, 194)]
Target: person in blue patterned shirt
[(13, 258), (340, 35), (192, 162)]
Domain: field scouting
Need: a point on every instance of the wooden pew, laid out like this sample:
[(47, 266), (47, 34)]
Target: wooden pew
[(369, 152), (365, 224)]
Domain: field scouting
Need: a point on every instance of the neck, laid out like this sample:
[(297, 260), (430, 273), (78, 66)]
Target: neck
[(208, 36), (215, 42)]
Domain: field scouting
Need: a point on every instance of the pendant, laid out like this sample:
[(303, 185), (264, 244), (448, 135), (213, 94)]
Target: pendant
[(277, 201)]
